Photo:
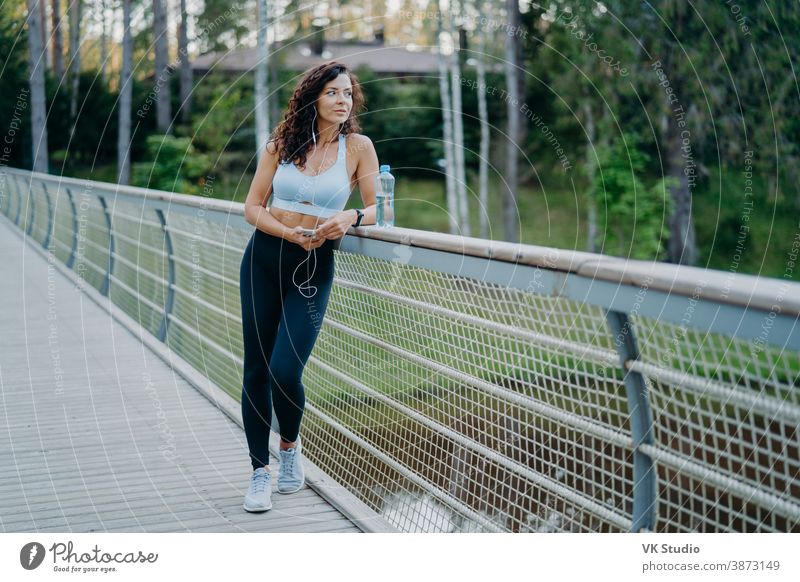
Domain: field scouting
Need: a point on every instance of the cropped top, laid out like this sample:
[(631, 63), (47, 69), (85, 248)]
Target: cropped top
[(326, 193)]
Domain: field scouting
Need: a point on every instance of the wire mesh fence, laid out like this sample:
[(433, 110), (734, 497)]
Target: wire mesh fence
[(469, 392)]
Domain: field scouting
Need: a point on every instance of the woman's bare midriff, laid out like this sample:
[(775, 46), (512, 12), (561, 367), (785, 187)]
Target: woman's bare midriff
[(291, 219)]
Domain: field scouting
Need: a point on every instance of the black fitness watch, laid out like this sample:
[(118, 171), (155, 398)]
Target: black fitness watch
[(357, 223)]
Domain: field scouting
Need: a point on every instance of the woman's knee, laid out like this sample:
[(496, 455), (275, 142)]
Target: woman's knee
[(285, 377), (288, 394), (255, 373)]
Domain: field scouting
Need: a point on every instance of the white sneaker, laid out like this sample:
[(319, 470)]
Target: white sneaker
[(259, 495), (291, 475)]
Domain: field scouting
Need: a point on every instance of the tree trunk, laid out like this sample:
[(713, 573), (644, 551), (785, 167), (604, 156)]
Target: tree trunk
[(36, 80), (272, 100), (186, 66), (75, 16), (261, 81), (162, 72), (591, 166), (43, 31), (125, 98), (103, 43), (458, 127), (682, 247), (444, 91), (58, 41), (679, 147), (483, 114), (514, 141)]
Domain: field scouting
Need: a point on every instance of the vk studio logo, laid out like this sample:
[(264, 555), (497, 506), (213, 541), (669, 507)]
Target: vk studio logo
[(31, 555)]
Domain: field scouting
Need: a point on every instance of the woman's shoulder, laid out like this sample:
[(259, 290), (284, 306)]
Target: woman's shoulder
[(272, 153), (357, 138), (357, 143)]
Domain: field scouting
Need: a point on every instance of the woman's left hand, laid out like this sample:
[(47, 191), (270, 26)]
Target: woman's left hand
[(336, 226)]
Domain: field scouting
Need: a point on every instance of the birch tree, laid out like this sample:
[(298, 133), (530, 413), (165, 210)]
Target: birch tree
[(513, 63), (125, 98), (261, 81), (43, 31), (447, 125), (58, 40), (458, 125), (75, 15), (38, 99), (104, 26), (185, 64), (162, 72), (483, 115)]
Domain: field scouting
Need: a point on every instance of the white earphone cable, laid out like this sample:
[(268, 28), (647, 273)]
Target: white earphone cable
[(304, 285)]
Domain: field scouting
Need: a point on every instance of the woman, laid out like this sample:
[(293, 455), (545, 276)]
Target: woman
[(310, 166)]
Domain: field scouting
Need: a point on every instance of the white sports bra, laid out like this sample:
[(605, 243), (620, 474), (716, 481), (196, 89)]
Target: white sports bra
[(327, 193)]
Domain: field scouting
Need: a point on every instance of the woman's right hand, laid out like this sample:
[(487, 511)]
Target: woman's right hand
[(296, 236)]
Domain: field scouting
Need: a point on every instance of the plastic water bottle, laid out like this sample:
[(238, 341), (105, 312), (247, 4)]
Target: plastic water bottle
[(384, 215)]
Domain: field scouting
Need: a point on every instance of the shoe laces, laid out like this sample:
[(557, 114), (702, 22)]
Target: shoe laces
[(288, 459), (259, 481)]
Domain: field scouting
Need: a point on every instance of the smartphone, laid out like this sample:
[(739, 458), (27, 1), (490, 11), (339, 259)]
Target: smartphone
[(312, 232)]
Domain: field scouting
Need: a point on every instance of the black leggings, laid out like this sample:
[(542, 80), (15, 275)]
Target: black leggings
[(284, 291)]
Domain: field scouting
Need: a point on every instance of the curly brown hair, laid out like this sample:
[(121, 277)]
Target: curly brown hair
[(292, 136)]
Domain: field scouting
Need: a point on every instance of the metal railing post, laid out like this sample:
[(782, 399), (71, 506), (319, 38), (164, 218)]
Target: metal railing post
[(5, 199), (110, 266), (9, 191), (74, 248), (170, 298), (50, 214), (19, 201), (644, 473), (31, 218)]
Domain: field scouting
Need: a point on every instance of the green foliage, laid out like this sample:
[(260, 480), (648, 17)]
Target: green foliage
[(221, 129), (15, 102), (636, 216), (224, 24), (404, 120), (176, 167), (95, 138)]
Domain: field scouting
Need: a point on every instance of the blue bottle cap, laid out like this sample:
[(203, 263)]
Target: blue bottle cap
[(384, 168)]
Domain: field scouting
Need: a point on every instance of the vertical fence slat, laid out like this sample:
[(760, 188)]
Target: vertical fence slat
[(170, 298), (19, 200), (110, 265), (30, 216), (644, 475), (74, 247), (50, 214)]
